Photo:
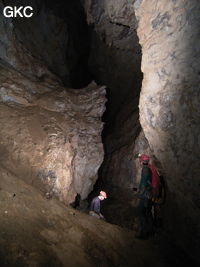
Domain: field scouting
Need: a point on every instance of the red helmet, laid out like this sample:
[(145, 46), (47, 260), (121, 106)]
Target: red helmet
[(103, 194), (144, 158)]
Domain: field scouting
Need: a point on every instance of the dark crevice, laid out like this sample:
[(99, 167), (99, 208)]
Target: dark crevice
[(115, 60), (119, 24), (70, 34), (78, 46)]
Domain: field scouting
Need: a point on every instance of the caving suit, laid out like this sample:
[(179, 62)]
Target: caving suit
[(95, 207), (145, 204)]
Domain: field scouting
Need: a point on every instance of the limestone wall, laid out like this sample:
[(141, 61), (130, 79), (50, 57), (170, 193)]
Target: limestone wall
[(50, 137), (169, 105), (115, 53), (56, 37)]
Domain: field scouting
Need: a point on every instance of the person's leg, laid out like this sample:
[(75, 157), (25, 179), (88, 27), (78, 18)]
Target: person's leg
[(142, 219), (154, 214), (159, 217), (94, 214), (148, 218)]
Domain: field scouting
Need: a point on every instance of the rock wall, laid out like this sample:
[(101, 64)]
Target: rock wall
[(169, 106), (115, 53), (119, 168), (115, 60), (169, 34), (15, 54), (56, 36), (51, 137)]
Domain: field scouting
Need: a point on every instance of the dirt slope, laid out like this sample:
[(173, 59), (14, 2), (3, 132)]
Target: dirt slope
[(35, 231)]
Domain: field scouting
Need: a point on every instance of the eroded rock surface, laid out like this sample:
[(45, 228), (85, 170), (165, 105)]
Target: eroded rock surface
[(169, 105), (49, 136), (115, 53), (168, 32), (55, 39)]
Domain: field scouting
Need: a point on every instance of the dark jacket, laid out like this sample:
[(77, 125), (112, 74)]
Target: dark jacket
[(146, 177), (95, 205)]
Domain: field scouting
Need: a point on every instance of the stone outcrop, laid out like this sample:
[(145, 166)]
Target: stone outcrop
[(169, 105), (49, 136)]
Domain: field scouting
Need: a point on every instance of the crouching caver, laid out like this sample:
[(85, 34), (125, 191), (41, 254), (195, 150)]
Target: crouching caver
[(95, 206)]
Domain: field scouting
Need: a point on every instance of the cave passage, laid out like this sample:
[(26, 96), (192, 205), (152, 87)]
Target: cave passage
[(86, 86)]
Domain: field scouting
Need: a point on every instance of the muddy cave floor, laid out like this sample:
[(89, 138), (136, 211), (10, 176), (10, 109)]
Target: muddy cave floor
[(35, 231)]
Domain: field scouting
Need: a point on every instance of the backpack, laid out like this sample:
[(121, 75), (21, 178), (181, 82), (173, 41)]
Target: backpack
[(160, 199), (155, 182)]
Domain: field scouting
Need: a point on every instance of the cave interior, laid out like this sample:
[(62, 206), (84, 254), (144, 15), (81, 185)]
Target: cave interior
[(87, 85)]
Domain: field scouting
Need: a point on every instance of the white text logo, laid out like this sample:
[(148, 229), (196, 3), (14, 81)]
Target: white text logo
[(13, 12)]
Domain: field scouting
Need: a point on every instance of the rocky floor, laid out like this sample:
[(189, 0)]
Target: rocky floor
[(35, 231)]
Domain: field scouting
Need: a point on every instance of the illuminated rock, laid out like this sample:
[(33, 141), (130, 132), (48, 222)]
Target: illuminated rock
[(169, 105), (51, 136)]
